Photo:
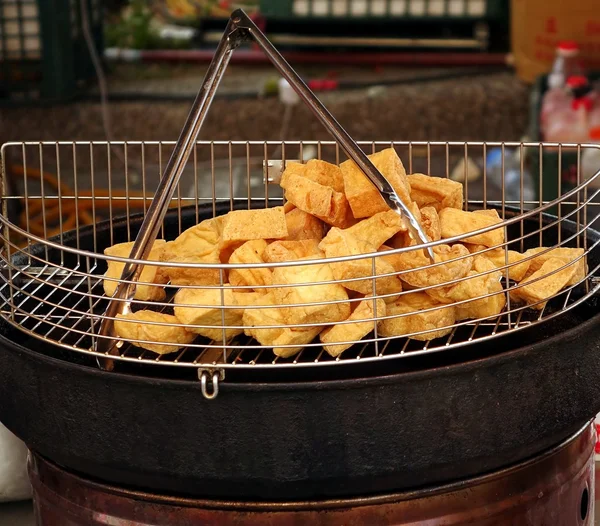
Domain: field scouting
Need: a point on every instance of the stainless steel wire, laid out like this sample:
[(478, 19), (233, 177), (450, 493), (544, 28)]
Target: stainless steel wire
[(51, 279)]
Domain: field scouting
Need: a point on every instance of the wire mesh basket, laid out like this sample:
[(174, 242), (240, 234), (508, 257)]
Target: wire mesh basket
[(65, 203)]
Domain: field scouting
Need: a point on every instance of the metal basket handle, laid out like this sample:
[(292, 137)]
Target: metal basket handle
[(240, 28)]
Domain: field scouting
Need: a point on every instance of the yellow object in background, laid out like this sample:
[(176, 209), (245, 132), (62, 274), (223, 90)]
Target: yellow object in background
[(538, 25), (182, 8)]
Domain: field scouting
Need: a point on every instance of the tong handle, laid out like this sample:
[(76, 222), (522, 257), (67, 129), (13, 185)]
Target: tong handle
[(333, 126), (239, 28), (124, 293)]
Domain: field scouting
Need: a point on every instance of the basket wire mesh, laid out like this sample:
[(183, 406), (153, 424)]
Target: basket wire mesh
[(56, 227)]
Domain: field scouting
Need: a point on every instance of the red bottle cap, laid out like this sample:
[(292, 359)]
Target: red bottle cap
[(595, 133), (568, 45), (567, 49), (577, 81)]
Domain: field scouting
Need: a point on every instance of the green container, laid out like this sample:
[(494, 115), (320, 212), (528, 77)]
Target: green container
[(347, 10), (558, 170), (43, 52)]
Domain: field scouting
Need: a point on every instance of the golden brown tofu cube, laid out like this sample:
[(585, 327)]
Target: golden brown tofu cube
[(339, 243), (198, 245), (404, 238), (288, 207), (280, 251), (437, 192), (517, 269), (195, 242), (325, 173), (484, 287), (435, 323), (146, 325), (458, 264), (250, 252), (307, 195), (316, 199), (182, 276), (150, 273), (364, 198), (545, 282), (246, 225), (321, 291), (456, 223), (302, 225), (369, 310), (205, 307), (566, 254), (490, 212), (377, 229), (430, 222), (279, 333)]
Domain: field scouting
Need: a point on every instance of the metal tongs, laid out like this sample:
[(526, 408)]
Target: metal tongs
[(240, 28)]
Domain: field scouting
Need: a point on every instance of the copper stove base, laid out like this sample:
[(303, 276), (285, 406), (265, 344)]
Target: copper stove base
[(554, 489)]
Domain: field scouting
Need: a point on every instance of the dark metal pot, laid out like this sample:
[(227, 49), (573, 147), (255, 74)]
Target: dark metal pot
[(350, 430)]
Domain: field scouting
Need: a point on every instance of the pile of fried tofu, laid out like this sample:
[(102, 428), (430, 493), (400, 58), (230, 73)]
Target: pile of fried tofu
[(336, 212)]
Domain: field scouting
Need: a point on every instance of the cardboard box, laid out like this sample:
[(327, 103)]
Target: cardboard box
[(538, 25)]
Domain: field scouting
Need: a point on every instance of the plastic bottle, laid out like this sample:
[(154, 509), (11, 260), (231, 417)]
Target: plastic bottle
[(571, 124), (559, 110), (590, 160), (566, 64), (595, 113), (512, 176), (555, 100), (564, 69)]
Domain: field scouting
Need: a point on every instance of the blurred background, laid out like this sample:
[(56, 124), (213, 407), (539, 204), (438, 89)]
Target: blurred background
[(387, 69)]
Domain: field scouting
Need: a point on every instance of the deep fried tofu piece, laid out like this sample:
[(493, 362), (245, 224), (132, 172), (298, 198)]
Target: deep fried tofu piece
[(424, 274), (517, 269), (566, 254), (198, 244), (324, 173), (437, 322), (490, 212), (288, 207), (430, 222), (365, 310), (280, 251), (135, 326), (391, 260), (302, 225), (250, 252), (550, 281), (404, 238), (437, 192), (364, 198), (279, 334), (457, 222), (377, 229), (338, 243), (204, 307), (485, 280), (307, 195), (322, 291), (316, 199), (197, 241), (245, 298), (194, 276), (246, 225), (149, 274)]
